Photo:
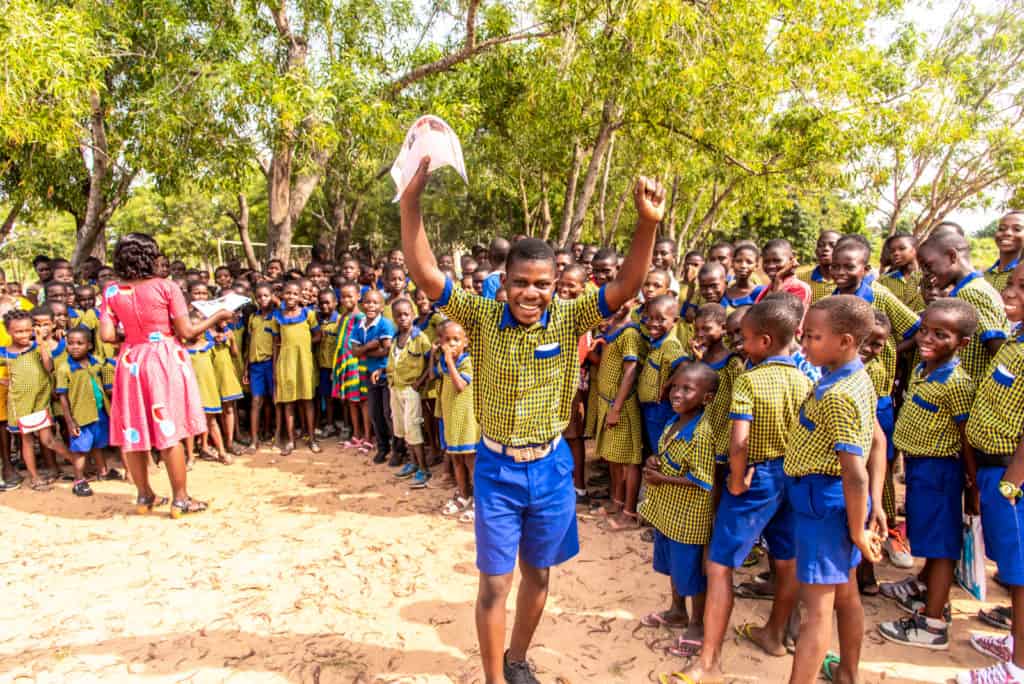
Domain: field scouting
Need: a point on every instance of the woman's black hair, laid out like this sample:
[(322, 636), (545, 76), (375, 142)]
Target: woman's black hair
[(16, 315), (135, 257)]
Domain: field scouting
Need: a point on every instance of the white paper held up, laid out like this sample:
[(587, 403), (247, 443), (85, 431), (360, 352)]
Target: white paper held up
[(428, 136), (229, 302)]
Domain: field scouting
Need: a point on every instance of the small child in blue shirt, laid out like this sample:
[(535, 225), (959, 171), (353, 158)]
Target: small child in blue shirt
[(371, 342)]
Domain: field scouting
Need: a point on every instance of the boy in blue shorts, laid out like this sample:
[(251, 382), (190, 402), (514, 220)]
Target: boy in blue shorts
[(765, 400), (930, 433), (994, 430), (259, 370), (527, 373), (829, 487)]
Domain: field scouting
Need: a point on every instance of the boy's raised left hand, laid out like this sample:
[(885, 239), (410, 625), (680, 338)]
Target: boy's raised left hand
[(649, 198)]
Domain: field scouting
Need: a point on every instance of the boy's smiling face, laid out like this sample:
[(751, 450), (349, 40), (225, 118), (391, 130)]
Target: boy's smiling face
[(902, 252), (848, 269), (530, 284), (712, 285), (938, 338), (874, 344), (661, 317), (1013, 295), (1010, 234)]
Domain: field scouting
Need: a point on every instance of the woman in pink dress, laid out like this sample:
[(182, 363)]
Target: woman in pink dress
[(155, 397)]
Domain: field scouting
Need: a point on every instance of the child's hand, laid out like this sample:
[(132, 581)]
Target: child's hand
[(739, 485), (245, 378), (652, 463), (375, 377), (878, 522), (653, 477), (972, 499), (73, 428), (649, 198), (1014, 472), (418, 182), (611, 419), (697, 349), (869, 544)]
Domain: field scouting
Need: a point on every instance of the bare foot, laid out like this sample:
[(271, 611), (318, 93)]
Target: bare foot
[(698, 674), (760, 637), (622, 522)]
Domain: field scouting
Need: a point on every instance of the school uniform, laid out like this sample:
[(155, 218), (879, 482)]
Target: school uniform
[(717, 412), (768, 397), (998, 278), (206, 376), (377, 393), (622, 442), (748, 299), (664, 356), (883, 382), (296, 370), (839, 415), (927, 434), (523, 389), (29, 391), (994, 429), (682, 515), (59, 355), (821, 286), (905, 321), (260, 354), (325, 354), (992, 323), (460, 428), (906, 287), (405, 365), (82, 383), (228, 385)]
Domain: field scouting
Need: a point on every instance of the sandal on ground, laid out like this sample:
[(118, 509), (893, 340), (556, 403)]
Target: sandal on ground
[(40, 485), (1000, 617), (225, 459), (235, 449), (111, 475), (468, 516), (685, 648), (656, 621), (754, 590), (683, 678), (209, 454), (187, 506), (829, 665), (314, 446), (287, 449), (451, 507), (146, 504), (744, 633)]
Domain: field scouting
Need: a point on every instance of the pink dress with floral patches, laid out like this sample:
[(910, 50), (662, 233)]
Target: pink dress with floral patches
[(155, 400)]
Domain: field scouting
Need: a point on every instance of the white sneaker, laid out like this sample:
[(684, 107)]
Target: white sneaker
[(900, 591), (897, 548), (996, 674), (998, 647)]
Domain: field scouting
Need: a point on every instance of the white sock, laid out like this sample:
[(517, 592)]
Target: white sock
[(1017, 672), (581, 492)]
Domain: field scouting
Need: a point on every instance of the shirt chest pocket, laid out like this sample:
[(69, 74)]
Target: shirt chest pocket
[(547, 364)]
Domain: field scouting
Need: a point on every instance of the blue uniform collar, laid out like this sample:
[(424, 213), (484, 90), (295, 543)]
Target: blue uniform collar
[(784, 359), (611, 337), (746, 300), (332, 319), (830, 378), (686, 431), (61, 346), (816, 275), (458, 361), (963, 282), (895, 275), (864, 291), (656, 343), (290, 320), (7, 354), (940, 373), (508, 321), (76, 366), (994, 268), (719, 365)]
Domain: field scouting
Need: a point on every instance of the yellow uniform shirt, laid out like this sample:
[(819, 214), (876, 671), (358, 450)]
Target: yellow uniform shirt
[(768, 396), (998, 278), (992, 323), (996, 424), (906, 287), (328, 340), (681, 512), (261, 337), (662, 360), (934, 405), (526, 376), (839, 415), (717, 412), (83, 385), (905, 322), (821, 286), (880, 378), (406, 362)]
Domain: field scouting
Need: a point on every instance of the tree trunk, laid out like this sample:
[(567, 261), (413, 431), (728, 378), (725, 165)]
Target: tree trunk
[(599, 217), (670, 215), (89, 238), (12, 216), (241, 220), (570, 194), (545, 209), (609, 116), (279, 214), (618, 209)]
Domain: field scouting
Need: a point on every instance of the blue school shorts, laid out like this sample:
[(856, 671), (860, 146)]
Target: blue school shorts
[(761, 510), (886, 415), (1003, 526), (825, 554), (92, 436), (684, 563), (935, 492), (656, 415), (524, 509), (261, 378), (323, 390)]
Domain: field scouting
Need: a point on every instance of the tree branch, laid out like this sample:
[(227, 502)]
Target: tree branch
[(471, 23), (8, 223)]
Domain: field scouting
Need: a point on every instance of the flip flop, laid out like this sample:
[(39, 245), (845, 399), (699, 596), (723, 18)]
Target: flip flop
[(656, 620), (676, 678), (1000, 617), (753, 590), (827, 671), (685, 648), (743, 632)]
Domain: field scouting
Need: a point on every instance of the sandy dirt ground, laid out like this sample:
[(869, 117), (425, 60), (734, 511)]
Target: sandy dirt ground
[(327, 569)]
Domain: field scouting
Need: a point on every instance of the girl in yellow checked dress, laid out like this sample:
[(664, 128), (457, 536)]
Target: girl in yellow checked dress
[(296, 330), (619, 425), (200, 352), (228, 386), (461, 431)]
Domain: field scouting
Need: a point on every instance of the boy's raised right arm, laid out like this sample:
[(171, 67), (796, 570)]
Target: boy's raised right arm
[(419, 257)]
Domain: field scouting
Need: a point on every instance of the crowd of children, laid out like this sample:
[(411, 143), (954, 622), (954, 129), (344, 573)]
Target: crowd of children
[(735, 405)]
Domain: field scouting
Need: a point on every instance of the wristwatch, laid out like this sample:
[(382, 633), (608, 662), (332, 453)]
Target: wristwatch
[(1009, 490)]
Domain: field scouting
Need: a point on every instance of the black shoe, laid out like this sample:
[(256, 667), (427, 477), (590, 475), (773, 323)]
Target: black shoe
[(397, 459), (582, 499), (518, 673), (380, 458), (9, 485), (112, 474), (81, 488)]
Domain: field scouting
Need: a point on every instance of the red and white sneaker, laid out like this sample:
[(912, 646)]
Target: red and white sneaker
[(997, 674), (998, 647)]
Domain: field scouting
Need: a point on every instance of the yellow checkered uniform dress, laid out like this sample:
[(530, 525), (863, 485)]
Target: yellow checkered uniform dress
[(717, 412), (680, 512), (996, 424), (30, 385), (998, 279), (935, 404), (461, 430), (526, 376), (906, 287), (622, 443), (228, 385), (821, 286), (406, 362), (839, 415), (992, 323), (661, 361), (768, 396), (261, 339), (107, 373), (328, 341), (76, 380), (295, 376), (206, 376)]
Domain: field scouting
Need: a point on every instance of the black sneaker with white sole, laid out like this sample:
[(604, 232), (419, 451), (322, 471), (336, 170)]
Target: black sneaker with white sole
[(518, 673), (917, 630)]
